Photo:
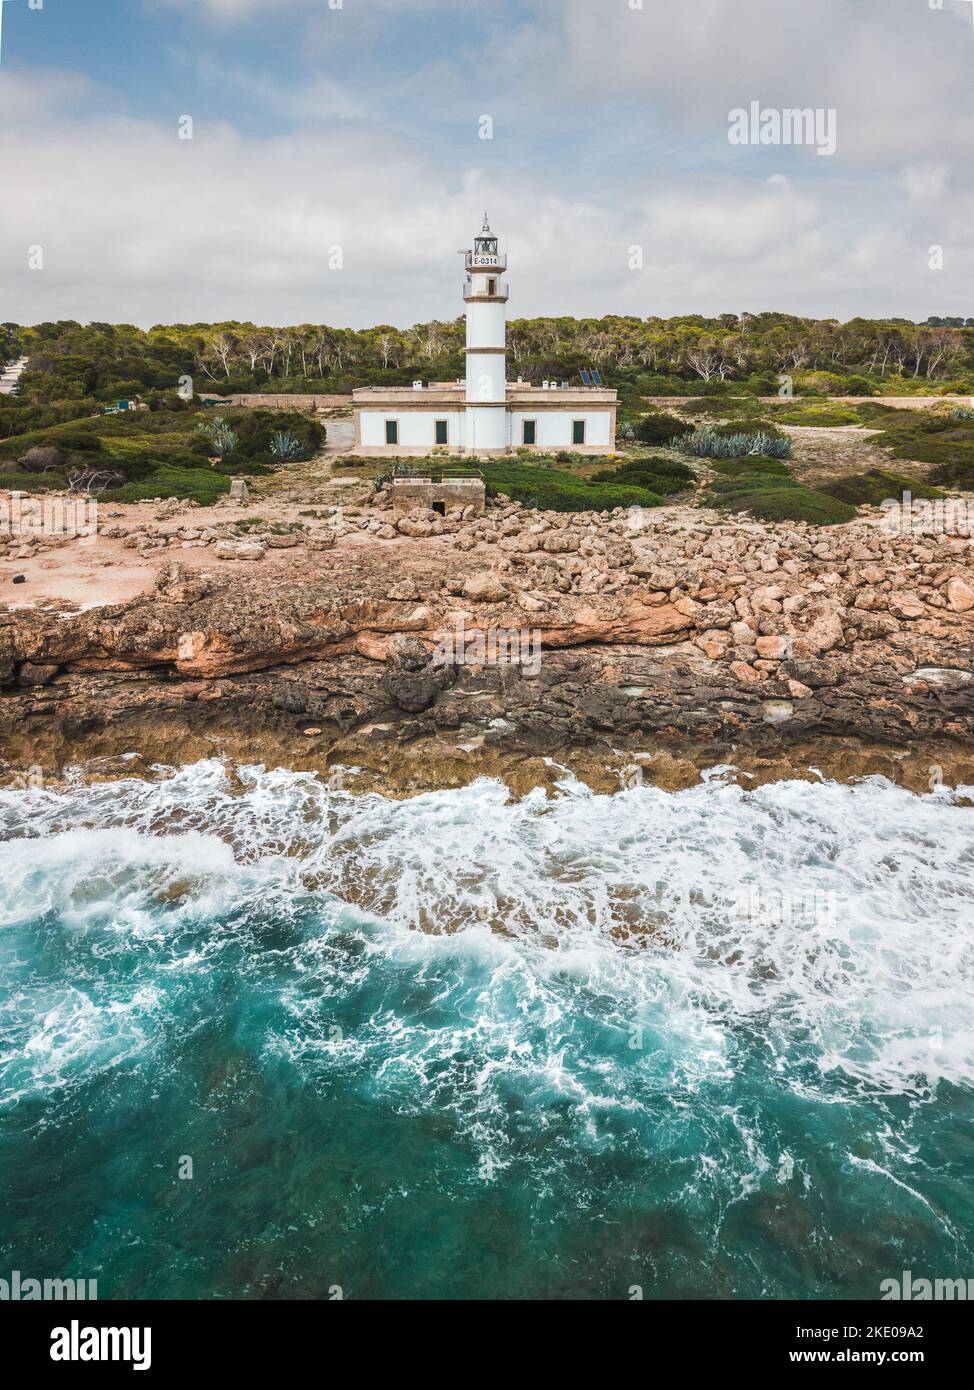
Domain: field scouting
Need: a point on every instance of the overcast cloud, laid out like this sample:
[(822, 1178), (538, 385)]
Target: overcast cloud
[(358, 128)]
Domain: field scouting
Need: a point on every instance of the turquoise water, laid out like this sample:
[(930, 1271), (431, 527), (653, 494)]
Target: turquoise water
[(713, 1044)]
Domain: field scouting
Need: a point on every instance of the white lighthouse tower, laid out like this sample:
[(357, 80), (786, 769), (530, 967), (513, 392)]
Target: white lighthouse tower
[(484, 416), (485, 295)]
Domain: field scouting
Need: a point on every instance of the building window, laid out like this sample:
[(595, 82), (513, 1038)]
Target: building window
[(529, 432), (578, 431), (441, 433), (392, 431), (491, 286)]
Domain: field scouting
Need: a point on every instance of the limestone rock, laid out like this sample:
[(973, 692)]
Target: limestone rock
[(960, 595), (484, 588), (32, 673), (906, 605)]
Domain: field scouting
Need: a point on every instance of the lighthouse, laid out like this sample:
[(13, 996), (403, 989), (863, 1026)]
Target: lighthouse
[(485, 295), (484, 416)]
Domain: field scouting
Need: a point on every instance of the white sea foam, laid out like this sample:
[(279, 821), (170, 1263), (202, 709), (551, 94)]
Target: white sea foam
[(656, 915)]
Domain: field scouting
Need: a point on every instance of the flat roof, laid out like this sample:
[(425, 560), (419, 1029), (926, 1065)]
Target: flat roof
[(519, 393)]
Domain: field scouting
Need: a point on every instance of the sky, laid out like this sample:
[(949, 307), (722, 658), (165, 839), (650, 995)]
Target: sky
[(338, 158)]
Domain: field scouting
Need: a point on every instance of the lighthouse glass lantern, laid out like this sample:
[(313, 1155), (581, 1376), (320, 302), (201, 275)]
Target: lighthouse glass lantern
[(485, 248)]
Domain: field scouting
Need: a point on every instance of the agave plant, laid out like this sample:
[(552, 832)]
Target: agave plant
[(208, 428), (962, 412), (284, 446), (710, 444), (224, 441)]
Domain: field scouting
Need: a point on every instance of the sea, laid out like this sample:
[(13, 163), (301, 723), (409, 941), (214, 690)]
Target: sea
[(265, 1038)]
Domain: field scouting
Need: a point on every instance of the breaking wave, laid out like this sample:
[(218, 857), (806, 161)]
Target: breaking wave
[(714, 1043)]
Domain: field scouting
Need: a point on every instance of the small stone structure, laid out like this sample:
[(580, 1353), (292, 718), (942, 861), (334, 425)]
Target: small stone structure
[(451, 494)]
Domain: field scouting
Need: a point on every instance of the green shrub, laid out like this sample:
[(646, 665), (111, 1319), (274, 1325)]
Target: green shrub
[(782, 500), (875, 486), (200, 485), (719, 405), (659, 428), (926, 436), (256, 430), (959, 475), (550, 489), (32, 482), (73, 438), (663, 475)]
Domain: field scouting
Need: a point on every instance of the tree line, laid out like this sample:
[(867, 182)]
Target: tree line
[(70, 361)]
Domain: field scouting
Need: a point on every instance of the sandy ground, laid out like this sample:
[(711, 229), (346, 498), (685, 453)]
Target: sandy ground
[(85, 574)]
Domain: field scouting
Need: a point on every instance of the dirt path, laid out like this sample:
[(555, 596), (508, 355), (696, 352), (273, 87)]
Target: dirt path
[(822, 455)]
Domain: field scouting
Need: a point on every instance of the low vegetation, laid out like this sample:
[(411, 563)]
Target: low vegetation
[(659, 428), (553, 489), (815, 414), (763, 488), (158, 453), (666, 476), (876, 485), (724, 442)]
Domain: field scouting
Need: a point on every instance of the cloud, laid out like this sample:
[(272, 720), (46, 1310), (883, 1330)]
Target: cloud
[(138, 226), (898, 73), (230, 11), (611, 132)]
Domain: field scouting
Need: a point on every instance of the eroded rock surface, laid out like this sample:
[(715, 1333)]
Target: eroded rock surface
[(674, 625)]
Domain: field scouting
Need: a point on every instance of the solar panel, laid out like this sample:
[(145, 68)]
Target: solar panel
[(596, 377), (586, 378)]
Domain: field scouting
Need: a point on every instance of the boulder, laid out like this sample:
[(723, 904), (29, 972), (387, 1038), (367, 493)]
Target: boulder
[(43, 458), (904, 604), (774, 648), (960, 595), (825, 630), (484, 588), (176, 584), (325, 540), (745, 674), (403, 592)]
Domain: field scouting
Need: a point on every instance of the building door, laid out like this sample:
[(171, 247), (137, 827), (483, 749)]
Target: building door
[(392, 431)]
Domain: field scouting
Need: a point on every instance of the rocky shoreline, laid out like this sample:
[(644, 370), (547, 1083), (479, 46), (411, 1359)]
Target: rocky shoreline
[(668, 640)]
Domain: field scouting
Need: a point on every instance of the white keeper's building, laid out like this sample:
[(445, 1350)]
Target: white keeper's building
[(484, 415)]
